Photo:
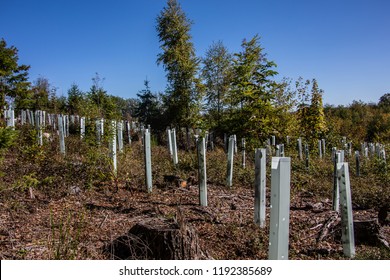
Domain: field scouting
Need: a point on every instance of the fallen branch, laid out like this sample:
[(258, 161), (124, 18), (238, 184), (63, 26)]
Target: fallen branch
[(328, 226)]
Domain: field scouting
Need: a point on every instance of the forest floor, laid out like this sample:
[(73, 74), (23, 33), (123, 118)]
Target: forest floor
[(54, 216)]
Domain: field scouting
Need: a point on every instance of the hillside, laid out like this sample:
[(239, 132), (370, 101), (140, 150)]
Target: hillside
[(74, 206)]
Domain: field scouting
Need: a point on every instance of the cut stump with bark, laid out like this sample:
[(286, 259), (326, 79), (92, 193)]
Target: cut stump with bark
[(365, 232), (157, 239)]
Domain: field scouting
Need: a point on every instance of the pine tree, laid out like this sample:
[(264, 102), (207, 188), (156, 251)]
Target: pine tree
[(75, 100), (148, 110)]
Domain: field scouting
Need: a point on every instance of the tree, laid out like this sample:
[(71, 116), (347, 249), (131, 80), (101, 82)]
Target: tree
[(378, 128), (13, 77), (284, 102), (41, 92), (217, 74), (317, 116), (180, 63), (149, 110), (384, 102), (75, 102), (311, 116), (130, 108), (251, 109), (99, 103)]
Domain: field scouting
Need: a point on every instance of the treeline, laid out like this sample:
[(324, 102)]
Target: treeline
[(233, 93), (360, 121)]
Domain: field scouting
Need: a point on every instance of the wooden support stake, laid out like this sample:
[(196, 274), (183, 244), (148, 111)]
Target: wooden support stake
[(260, 184), (280, 208), (347, 232), (201, 148)]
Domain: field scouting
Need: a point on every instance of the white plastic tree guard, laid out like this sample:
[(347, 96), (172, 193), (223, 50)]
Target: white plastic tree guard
[(260, 184), (280, 208)]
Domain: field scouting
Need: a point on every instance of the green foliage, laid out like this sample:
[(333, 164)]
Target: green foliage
[(180, 63), (27, 182), (217, 75), (284, 101), (13, 77), (40, 94), (311, 117), (76, 100), (7, 137), (96, 168), (378, 128), (99, 103), (384, 102), (149, 110), (30, 150), (65, 235), (251, 112)]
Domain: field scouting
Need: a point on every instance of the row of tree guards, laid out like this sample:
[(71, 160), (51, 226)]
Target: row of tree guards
[(280, 171), (280, 197)]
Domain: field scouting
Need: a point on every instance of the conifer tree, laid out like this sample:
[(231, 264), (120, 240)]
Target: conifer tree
[(180, 63)]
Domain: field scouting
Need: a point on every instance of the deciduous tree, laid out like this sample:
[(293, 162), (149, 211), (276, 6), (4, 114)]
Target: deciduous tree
[(217, 76), (13, 77), (251, 97)]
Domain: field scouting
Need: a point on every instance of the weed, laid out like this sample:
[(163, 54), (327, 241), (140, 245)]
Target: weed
[(65, 236)]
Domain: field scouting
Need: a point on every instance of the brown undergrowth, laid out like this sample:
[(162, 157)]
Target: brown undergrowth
[(70, 207)]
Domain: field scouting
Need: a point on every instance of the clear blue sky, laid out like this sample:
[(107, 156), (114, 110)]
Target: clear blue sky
[(344, 44)]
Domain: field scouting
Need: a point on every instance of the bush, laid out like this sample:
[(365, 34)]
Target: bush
[(7, 137)]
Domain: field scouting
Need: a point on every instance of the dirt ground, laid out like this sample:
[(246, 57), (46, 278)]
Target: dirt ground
[(79, 223)]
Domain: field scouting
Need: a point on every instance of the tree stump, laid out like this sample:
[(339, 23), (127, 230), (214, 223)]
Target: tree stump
[(365, 232), (157, 239)]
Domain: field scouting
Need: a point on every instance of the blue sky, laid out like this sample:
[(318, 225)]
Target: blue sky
[(344, 44)]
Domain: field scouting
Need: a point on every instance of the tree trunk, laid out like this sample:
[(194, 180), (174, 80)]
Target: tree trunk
[(159, 240)]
